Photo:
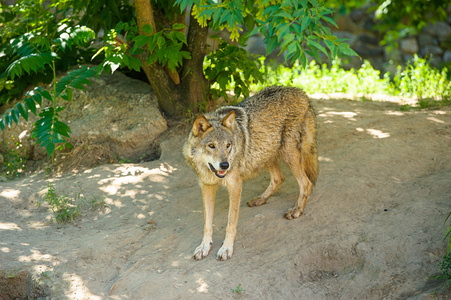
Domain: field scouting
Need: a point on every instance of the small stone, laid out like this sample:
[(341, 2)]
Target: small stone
[(409, 45), (447, 56)]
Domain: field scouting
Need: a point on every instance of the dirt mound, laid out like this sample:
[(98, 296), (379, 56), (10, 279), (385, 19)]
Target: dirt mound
[(372, 229)]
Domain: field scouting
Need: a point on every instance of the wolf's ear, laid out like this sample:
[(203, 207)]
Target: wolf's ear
[(229, 120), (200, 125)]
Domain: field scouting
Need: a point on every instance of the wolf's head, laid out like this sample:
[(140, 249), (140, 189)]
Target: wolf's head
[(210, 147)]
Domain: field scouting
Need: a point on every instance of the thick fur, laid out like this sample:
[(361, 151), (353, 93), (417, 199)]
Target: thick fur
[(235, 143)]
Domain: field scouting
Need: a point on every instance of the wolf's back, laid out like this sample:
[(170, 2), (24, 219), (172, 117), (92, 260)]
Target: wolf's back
[(282, 119)]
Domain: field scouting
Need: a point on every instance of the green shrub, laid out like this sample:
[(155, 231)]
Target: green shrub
[(65, 208), (421, 80), (418, 79), (13, 161)]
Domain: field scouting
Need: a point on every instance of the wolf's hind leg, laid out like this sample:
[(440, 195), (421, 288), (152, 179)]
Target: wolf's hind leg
[(303, 162), (276, 180), (305, 187), (304, 193)]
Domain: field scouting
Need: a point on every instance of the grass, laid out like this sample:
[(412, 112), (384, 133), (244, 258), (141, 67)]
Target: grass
[(12, 163), (238, 289), (67, 209), (432, 87)]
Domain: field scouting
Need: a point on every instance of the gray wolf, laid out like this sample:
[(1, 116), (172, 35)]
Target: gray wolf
[(235, 143)]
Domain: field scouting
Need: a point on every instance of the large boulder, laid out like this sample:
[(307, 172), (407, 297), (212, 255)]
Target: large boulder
[(116, 118)]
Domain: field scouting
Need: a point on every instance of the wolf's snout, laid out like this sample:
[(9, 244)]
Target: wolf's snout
[(224, 165)]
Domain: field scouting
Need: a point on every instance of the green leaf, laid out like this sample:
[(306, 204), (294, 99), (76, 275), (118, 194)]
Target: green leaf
[(50, 148), (271, 45), (224, 16), (61, 128), (75, 79), (31, 104), (287, 40), (345, 49), (303, 60), (311, 42), (147, 29), (161, 42), (330, 20), (67, 95), (305, 22), (15, 115), (33, 61), (178, 26), (284, 14), (41, 130), (206, 12), (23, 110), (282, 31)]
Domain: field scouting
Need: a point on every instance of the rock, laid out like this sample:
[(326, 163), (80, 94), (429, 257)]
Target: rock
[(368, 39), (447, 56), (364, 49), (409, 45), (426, 40), (440, 29), (431, 50), (357, 15), (116, 113)]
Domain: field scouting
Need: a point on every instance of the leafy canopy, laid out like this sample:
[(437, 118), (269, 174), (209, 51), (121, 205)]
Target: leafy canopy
[(294, 27)]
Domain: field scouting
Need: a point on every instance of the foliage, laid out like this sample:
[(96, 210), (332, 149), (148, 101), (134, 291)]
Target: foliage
[(396, 19), (13, 162), (32, 54), (64, 207), (296, 28), (293, 27), (28, 28), (399, 18), (231, 67), (164, 46), (418, 79), (445, 265), (448, 234), (102, 14), (238, 289), (421, 80)]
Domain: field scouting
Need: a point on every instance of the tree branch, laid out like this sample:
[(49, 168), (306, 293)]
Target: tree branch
[(144, 15)]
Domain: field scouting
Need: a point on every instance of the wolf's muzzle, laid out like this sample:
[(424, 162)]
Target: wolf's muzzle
[(221, 173)]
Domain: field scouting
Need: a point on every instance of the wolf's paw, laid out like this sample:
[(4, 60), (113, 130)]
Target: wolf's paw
[(224, 253), (202, 251), (293, 213), (257, 202)]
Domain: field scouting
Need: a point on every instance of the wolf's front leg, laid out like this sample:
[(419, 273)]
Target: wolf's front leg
[(208, 199), (226, 251)]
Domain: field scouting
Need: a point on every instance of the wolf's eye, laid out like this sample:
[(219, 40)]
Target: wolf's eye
[(228, 145), (211, 146)]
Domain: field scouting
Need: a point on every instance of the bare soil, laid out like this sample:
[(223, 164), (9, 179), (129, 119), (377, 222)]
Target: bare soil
[(372, 229)]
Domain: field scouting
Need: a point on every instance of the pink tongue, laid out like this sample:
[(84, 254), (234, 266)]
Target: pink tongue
[(221, 172)]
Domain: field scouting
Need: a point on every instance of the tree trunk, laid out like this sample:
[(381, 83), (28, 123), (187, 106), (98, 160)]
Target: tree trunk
[(194, 87), (176, 97), (162, 84)]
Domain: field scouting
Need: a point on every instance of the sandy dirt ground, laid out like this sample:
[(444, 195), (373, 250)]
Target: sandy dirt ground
[(372, 229)]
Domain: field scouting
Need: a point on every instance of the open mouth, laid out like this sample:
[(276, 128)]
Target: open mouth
[(220, 174)]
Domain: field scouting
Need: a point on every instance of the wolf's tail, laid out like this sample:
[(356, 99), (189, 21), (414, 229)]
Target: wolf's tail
[(308, 147)]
